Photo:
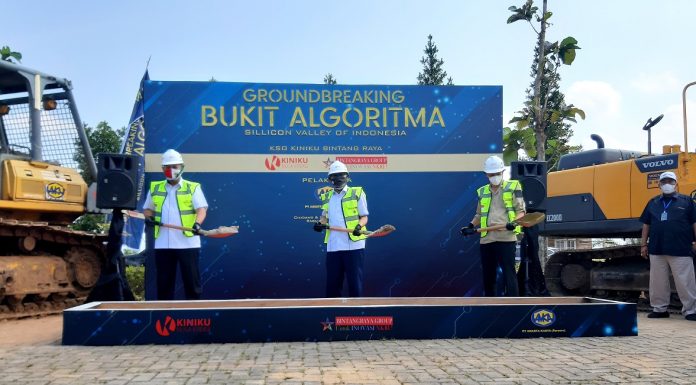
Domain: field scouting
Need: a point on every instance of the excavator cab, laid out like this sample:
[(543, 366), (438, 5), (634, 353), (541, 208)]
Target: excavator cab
[(44, 265)]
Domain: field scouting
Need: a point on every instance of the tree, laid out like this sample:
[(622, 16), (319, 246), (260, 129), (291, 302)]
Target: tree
[(329, 79), (433, 74), (101, 139), (545, 112), (7, 54)]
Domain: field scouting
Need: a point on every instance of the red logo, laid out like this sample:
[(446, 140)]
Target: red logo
[(169, 326), (365, 321), (182, 325), (273, 163), (371, 160), (286, 162)]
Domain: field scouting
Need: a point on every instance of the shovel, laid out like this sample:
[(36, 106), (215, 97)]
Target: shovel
[(219, 232), (380, 232), (527, 220)]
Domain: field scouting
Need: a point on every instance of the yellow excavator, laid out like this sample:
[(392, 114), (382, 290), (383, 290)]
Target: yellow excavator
[(601, 193), (44, 265)]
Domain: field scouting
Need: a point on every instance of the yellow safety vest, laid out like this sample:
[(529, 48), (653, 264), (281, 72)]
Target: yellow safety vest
[(349, 204), (511, 190), (184, 201)]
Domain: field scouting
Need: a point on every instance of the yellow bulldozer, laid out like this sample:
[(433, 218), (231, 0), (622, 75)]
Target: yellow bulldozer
[(601, 193), (44, 265)]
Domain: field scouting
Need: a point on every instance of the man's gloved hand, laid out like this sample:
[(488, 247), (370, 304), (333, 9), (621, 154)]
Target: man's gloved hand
[(356, 230), (196, 228), (468, 230), (150, 221), (319, 227), (510, 226)]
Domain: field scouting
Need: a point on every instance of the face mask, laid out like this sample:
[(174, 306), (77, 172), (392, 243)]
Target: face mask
[(668, 188), (338, 181), (495, 180), (173, 173)]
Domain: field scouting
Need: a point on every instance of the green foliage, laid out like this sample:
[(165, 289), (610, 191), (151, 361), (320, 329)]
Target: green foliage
[(329, 79), (136, 280), (515, 140), (104, 139), (433, 74), (7, 54), (525, 12), (545, 112), (101, 139), (93, 223)]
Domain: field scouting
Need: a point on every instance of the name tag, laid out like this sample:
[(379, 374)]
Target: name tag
[(663, 217)]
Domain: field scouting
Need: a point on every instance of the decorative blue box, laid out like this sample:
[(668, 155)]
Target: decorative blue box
[(342, 319)]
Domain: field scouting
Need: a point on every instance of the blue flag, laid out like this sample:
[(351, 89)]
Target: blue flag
[(134, 144)]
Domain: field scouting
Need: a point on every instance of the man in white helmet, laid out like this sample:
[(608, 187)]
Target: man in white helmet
[(499, 202), (178, 202), (346, 207), (669, 224)]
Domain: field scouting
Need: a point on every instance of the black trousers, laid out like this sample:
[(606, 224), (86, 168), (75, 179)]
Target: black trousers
[(530, 276), (494, 255), (167, 261), (348, 263)]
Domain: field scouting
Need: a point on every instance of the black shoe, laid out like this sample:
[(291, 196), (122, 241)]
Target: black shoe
[(662, 314), (691, 317)]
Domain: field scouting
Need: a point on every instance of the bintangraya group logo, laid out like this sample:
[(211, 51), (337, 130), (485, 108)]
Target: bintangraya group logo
[(362, 162), (275, 162), (543, 318), (358, 323), (172, 325)]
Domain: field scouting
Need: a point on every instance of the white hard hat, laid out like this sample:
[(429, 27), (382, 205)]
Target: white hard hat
[(337, 167), (171, 157), (493, 165), (668, 175)]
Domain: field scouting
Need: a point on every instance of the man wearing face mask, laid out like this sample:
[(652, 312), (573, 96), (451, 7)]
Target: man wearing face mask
[(178, 202), (499, 202), (669, 231), (345, 207)]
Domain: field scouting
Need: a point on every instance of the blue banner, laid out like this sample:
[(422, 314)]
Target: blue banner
[(134, 144), (261, 152)]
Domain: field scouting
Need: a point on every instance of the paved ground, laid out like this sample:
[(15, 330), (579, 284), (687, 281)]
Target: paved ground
[(663, 353)]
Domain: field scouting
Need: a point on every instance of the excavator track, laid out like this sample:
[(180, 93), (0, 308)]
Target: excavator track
[(616, 273), (46, 268)]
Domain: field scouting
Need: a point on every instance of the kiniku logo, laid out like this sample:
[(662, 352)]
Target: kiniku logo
[(182, 325), (55, 191), (286, 162), (543, 318), (165, 328)]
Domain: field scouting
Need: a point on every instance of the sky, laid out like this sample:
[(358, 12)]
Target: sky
[(635, 58)]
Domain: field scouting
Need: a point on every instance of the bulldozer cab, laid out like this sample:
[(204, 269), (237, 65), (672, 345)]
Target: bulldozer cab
[(41, 138)]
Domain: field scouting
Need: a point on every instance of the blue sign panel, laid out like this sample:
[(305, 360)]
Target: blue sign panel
[(261, 153)]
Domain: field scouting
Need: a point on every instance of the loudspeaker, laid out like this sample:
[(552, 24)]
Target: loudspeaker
[(532, 176), (117, 181)]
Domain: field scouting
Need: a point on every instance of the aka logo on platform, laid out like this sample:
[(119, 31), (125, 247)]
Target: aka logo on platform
[(543, 318), (170, 325)]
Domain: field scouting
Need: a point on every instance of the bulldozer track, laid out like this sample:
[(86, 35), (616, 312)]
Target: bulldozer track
[(69, 260)]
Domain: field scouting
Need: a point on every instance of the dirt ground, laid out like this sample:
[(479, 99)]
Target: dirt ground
[(32, 331)]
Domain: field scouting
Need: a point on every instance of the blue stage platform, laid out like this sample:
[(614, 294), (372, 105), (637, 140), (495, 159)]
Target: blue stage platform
[(341, 319)]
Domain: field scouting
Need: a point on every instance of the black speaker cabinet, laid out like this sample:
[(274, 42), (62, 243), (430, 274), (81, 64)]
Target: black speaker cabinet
[(117, 181), (532, 176)]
